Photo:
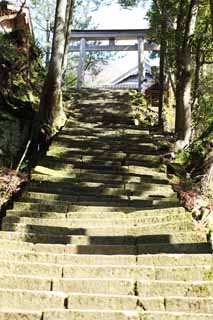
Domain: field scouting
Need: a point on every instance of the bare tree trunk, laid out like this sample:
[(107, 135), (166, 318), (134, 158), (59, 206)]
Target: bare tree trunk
[(51, 113), (211, 8), (179, 32), (184, 98), (69, 20), (48, 43), (198, 63), (162, 70)]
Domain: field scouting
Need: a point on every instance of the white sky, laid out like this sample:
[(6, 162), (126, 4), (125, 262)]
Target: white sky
[(114, 17)]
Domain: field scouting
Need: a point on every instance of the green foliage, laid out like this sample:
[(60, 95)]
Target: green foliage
[(140, 110), (21, 74), (128, 3), (203, 113)]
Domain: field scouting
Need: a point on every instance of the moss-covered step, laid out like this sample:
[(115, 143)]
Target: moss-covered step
[(112, 180), (146, 315), (189, 260), (8, 314), (111, 302), (181, 288), (30, 269), (73, 314), (29, 255), (12, 299), (117, 286), (189, 304), (40, 207), (147, 275), (70, 221), (171, 248), (23, 282), (139, 230), (100, 188)]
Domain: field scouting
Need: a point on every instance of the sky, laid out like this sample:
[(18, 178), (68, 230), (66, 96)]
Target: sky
[(114, 17)]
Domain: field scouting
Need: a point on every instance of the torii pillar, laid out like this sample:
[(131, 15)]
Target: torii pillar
[(81, 66), (140, 63)]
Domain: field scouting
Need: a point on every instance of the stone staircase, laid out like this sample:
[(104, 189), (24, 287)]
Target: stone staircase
[(98, 233)]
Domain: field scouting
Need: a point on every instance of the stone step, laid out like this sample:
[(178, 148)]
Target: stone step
[(102, 189), (79, 211), (52, 254), (38, 258), (170, 304), (65, 168), (62, 220), (111, 302), (85, 155), (30, 269), (134, 174), (8, 314), (109, 138), (166, 228), (189, 304), (80, 182), (145, 148), (131, 190), (106, 131), (107, 213), (77, 157), (31, 300), (32, 254), (63, 203), (24, 282), (158, 275), (102, 285), (151, 248), (181, 248), (173, 249), (43, 235), (90, 180), (98, 314), (173, 316), (180, 288), (103, 302), (175, 259), (147, 200), (41, 207)]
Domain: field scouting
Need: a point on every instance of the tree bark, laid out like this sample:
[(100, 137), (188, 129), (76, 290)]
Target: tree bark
[(48, 43), (178, 39), (184, 80), (163, 46), (211, 8), (69, 20), (51, 113)]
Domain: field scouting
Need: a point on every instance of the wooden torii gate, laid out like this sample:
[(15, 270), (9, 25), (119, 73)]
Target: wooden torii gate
[(82, 36)]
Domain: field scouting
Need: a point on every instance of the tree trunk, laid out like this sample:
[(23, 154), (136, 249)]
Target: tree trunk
[(48, 43), (163, 45), (184, 94), (211, 8), (198, 65), (178, 39), (69, 20), (51, 113)]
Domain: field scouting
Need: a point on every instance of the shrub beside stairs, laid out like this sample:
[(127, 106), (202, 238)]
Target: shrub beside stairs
[(98, 233)]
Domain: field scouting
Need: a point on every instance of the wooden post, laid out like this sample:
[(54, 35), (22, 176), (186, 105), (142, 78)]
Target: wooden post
[(81, 65), (140, 62)]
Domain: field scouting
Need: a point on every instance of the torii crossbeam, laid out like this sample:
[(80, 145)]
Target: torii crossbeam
[(141, 35)]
